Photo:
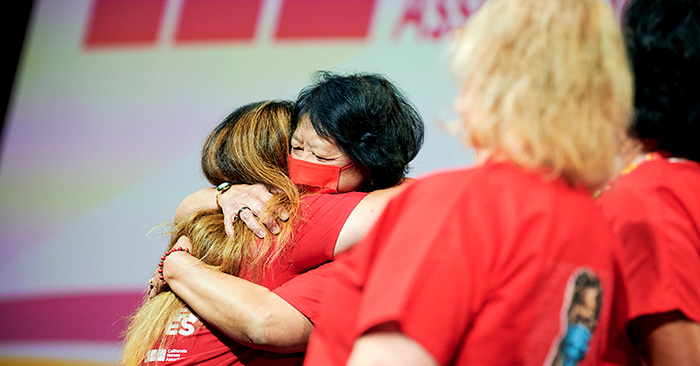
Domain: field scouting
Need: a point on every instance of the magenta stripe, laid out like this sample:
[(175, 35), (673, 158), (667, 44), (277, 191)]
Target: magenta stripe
[(63, 317)]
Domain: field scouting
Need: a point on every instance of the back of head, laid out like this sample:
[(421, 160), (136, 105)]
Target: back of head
[(368, 118), (546, 83), (250, 145), (663, 42)]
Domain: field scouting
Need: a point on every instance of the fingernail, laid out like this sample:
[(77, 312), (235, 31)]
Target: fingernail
[(284, 216), (260, 233)]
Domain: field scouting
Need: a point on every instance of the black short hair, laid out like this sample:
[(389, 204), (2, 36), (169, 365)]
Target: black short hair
[(368, 118), (663, 42)]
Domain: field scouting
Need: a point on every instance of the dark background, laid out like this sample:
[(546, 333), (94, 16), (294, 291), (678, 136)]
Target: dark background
[(16, 20)]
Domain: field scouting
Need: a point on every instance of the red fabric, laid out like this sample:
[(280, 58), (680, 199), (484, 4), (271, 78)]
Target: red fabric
[(476, 266), (305, 292), (655, 210), (197, 343), (323, 217)]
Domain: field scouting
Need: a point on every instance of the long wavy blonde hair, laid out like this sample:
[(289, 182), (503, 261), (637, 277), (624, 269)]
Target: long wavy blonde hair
[(249, 146), (546, 83)]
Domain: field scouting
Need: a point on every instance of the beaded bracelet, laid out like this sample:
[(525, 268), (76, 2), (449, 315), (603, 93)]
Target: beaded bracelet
[(162, 259)]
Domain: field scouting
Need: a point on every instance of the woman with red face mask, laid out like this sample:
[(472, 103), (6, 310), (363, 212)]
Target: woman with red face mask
[(367, 136)]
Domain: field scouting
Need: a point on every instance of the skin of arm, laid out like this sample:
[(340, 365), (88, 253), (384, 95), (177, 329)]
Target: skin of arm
[(249, 313), (204, 199), (666, 339), (384, 346), (358, 223)]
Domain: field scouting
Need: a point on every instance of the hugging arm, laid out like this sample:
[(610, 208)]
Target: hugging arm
[(202, 200), (389, 348), (248, 313), (255, 196)]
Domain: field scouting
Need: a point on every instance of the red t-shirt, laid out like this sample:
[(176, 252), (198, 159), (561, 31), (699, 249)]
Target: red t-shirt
[(198, 343), (305, 291), (316, 233), (655, 210), (478, 266)]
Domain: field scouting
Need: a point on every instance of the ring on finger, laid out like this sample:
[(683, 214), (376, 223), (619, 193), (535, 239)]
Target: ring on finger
[(238, 214)]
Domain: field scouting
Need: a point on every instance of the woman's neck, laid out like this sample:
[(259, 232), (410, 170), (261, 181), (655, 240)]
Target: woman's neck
[(630, 151), (483, 155)]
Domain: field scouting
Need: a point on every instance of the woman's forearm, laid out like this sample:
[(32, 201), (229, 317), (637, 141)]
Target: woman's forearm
[(204, 199), (248, 313), (388, 349)]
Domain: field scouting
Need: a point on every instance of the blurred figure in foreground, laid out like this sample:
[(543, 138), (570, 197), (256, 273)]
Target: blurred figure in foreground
[(654, 203), (477, 266)]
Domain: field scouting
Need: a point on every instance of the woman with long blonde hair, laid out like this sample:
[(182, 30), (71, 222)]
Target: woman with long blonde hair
[(260, 304), (249, 146), (351, 132)]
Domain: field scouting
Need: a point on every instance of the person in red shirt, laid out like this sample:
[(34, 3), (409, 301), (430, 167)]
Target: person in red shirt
[(654, 203), (508, 262), (163, 329), (324, 158)]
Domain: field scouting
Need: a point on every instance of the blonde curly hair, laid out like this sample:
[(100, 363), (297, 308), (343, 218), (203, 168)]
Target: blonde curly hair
[(545, 84)]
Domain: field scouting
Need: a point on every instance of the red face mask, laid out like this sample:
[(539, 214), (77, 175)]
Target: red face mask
[(324, 178)]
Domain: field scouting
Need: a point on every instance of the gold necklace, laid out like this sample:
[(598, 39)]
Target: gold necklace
[(631, 167), (639, 161)]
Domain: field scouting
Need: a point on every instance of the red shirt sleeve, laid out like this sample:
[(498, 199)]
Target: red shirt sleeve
[(305, 291), (323, 217)]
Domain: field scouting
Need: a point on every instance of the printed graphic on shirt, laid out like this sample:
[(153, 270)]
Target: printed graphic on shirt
[(166, 355), (185, 324), (580, 311)]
